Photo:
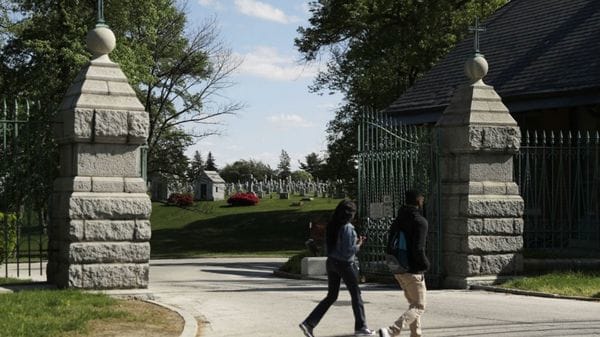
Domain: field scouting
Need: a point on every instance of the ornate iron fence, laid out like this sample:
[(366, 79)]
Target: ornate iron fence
[(24, 189), (393, 158), (559, 178)]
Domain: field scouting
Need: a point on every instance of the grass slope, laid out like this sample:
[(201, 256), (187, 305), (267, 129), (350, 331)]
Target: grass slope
[(273, 227)]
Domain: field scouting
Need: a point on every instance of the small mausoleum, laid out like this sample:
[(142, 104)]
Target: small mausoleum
[(209, 186)]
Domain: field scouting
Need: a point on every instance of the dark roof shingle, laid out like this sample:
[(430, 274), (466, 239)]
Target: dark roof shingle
[(534, 48)]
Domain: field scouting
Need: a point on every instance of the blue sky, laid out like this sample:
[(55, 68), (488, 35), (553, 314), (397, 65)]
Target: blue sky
[(280, 112)]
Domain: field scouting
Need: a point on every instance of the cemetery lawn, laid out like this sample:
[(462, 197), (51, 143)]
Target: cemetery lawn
[(69, 313), (212, 228), (560, 283)]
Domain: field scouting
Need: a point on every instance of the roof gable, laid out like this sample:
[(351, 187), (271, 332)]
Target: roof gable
[(212, 176)]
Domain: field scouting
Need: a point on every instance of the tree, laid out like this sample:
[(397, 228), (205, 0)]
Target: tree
[(196, 167), (210, 163), (283, 167), (242, 169), (376, 50), (313, 165), (177, 70), (169, 159), (301, 175)]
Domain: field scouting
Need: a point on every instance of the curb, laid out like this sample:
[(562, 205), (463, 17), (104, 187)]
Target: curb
[(190, 325), (531, 293)]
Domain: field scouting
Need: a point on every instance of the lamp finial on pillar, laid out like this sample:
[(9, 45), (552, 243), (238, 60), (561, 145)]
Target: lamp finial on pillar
[(101, 40)]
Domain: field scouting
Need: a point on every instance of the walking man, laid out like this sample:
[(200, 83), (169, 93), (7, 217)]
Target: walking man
[(410, 220)]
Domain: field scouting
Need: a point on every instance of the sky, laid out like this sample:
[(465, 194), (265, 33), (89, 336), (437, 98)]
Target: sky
[(279, 111)]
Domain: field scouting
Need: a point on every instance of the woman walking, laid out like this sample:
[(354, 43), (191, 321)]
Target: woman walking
[(342, 246)]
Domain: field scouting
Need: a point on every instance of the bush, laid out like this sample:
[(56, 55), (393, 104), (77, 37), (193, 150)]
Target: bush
[(8, 230), (181, 199), (294, 263), (243, 199)]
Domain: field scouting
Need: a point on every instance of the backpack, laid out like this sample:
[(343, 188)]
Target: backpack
[(397, 252)]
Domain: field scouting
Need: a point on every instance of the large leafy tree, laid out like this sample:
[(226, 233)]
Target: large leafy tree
[(375, 50), (176, 69), (241, 170)]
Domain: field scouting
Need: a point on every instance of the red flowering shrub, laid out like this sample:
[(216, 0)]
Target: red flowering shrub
[(243, 199), (181, 199)]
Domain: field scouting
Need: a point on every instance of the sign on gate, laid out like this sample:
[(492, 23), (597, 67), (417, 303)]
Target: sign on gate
[(393, 158)]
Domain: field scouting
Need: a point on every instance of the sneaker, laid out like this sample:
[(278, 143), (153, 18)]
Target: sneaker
[(306, 329), (364, 332), (383, 332)]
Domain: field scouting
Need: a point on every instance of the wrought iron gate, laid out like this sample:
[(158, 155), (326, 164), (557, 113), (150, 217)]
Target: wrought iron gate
[(24, 190), (393, 158)]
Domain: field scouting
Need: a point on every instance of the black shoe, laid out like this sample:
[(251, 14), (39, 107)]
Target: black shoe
[(306, 329)]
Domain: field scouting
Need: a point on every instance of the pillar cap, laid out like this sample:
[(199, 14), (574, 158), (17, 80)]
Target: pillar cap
[(101, 41), (476, 68)]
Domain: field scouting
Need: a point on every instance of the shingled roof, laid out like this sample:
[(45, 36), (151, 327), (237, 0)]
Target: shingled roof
[(542, 54)]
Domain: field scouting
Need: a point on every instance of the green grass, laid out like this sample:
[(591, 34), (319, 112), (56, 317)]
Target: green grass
[(272, 228), (52, 313), (561, 283)]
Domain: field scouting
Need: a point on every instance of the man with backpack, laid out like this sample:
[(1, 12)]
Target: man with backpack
[(406, 250)]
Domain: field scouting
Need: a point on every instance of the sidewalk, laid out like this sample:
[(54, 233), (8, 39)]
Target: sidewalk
[(241, 297)]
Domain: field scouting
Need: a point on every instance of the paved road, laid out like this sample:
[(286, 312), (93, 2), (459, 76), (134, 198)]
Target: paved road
[(240, 297)]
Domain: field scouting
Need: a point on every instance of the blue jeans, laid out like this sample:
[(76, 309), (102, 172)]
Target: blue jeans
[(338, 270)]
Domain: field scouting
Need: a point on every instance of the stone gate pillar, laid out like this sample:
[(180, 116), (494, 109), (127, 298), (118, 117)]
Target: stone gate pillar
[(481, 206), (100, 229)]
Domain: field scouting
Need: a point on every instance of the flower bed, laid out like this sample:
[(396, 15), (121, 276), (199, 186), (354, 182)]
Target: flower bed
[(243, 199), (181, 199)]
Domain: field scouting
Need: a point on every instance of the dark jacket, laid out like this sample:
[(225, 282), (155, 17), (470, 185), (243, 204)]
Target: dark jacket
[(411, 221)]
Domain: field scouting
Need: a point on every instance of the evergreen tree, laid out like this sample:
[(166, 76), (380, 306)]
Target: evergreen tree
[(210, 163), (313, 165), (284, 166), (196, 167)]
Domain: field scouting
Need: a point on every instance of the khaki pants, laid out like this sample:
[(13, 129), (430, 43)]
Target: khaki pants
[(415, 292)]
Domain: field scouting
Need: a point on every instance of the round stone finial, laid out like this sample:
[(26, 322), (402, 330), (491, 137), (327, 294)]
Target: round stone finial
[(101, 41), (476, 68)]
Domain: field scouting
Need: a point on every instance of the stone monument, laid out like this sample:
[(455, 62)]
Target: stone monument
[(100, 229), (481, 206)]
